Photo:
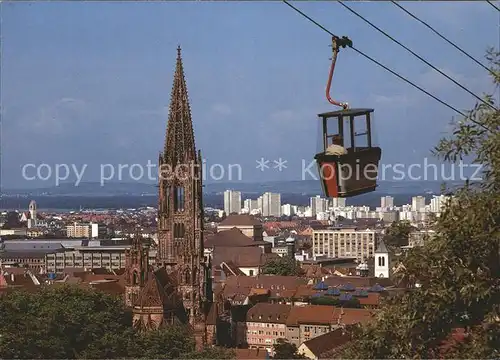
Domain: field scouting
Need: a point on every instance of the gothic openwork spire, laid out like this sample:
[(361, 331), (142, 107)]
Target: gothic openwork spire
[(179, 141)]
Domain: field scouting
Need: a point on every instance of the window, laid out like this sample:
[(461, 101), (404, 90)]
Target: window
[(381, 261), (168, 194), (135, 279), (179, 230), (250, 272), (179, 198)]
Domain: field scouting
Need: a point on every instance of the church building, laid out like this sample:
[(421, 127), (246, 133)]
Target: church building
[(179, 289)]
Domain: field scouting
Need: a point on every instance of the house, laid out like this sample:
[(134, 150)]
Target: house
[(325, 346), (248, 225), (265, 324)]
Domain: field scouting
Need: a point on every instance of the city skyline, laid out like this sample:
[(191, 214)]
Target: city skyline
[(72, 96)]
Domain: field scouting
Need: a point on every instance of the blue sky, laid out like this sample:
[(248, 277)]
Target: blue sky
[(89, 82)]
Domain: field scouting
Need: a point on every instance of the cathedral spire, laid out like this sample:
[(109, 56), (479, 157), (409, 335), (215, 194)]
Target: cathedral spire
[(179, 141)]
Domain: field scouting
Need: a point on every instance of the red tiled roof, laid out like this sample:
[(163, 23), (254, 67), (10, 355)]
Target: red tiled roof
[(269, 313), (242, 220), (229, 238)]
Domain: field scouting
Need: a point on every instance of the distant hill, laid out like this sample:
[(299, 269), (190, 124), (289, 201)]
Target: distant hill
[(307, 187)]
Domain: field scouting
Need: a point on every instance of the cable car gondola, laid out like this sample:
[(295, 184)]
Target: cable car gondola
[(346, 171)]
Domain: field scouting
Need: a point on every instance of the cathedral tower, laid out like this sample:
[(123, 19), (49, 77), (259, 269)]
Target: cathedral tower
[(180, 212), (136, 269)]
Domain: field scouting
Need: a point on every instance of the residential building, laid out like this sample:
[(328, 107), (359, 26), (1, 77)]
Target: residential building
[(250, 205), (318, 205), (248, 225), (232, 202), (417, 203), (344, 242), (386, 202), (265, 324), (288, 210), (338, 203), (98, 230), (79, 230), (271, 204)]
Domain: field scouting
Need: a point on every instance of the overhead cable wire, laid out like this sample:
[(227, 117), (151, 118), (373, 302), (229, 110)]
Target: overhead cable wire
[(415, 54), (442, 36), (489, 2), (386, 68)]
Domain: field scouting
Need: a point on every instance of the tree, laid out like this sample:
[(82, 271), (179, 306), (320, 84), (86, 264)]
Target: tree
[(63, 322), (285, 350), (334, 301), (75, 323), (397, 234), (459, 269), (286, 266)]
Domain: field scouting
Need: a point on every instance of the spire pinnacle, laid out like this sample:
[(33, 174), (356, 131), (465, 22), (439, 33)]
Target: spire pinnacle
[(179, 139)]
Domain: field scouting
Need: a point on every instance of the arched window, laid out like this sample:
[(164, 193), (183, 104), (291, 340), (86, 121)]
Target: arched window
[(178, 198), (179, 230), (135, 278), (168, 194), (194, 275), (187, 277)]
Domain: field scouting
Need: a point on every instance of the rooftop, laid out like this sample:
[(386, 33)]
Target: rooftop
[(240, 220), (348, 112)]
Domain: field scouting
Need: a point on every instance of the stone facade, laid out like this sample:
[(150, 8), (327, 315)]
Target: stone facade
[(180, 288)]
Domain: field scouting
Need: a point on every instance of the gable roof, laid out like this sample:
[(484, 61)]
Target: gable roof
[(150, 295), (241, 219), (324, 344), (269, 313)]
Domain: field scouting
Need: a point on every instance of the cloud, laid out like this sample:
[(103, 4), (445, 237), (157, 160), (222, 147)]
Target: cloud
[(221, 109), (147, 114), (284, 116), (392, 101), (433, 80), (56, 118)]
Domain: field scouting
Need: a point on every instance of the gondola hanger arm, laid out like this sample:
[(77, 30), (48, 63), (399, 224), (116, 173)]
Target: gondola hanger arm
[(337, 43)]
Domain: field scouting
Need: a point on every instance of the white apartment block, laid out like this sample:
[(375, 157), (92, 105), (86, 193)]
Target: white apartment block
[(344, 242), (386, 202), (417, 203), (288, 210), (250, 205), (318, 205), (232, 202), (271, 204), (338, 203)]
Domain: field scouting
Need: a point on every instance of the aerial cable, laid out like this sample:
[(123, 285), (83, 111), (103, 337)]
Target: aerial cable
[(386, 68), (489, 2), (442, 37), (416, 55)]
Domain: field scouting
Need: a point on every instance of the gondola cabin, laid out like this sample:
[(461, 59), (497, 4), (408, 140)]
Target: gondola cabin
[(348, 165)]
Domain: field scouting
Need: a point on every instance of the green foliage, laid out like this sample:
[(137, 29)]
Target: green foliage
[(286, 266), (459, 269), (334, 301), (70, 322), (285, 350), (397, 235)]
